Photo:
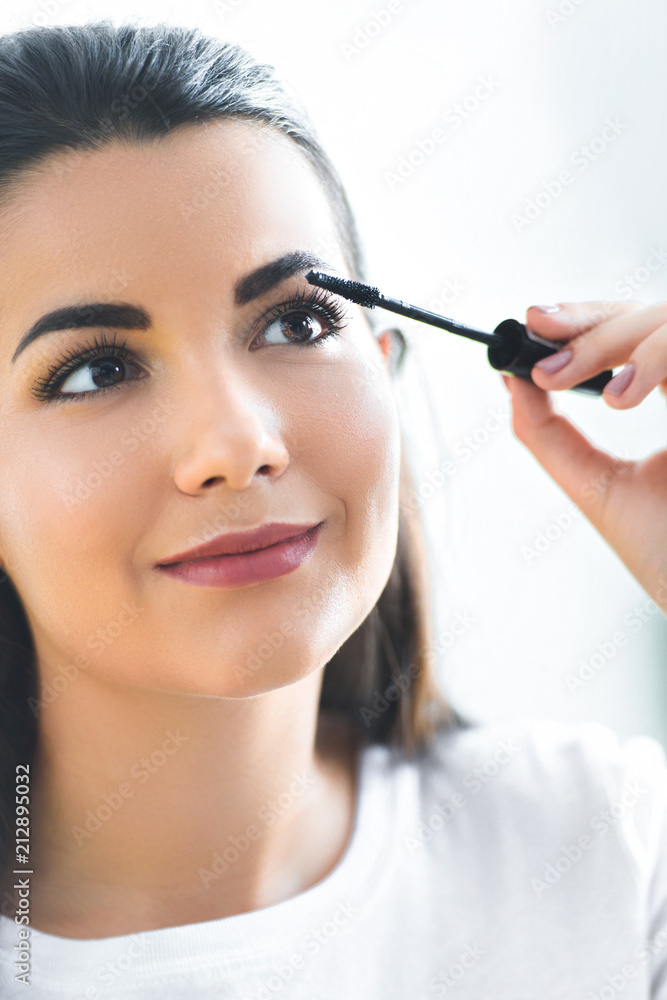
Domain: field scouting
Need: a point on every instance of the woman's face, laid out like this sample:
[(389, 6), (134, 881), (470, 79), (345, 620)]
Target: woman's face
[(217, 421)]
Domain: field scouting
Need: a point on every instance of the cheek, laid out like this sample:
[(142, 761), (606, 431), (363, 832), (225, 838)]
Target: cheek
[(353, 451), (66, 518)]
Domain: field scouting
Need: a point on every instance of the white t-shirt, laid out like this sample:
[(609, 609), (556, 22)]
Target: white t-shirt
[(525, 861)]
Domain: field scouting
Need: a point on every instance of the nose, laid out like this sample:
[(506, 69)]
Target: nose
[(229, 436)]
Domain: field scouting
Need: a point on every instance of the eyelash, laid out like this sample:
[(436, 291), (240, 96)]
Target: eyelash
[(317, 301)]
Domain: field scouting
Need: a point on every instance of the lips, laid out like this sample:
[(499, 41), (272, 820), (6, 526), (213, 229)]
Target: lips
[(235, 542)]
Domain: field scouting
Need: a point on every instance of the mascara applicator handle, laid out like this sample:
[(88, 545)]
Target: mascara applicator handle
[(520, 348)]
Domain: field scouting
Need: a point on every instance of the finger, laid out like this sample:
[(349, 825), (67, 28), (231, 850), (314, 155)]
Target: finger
[(562, 450), (649, 364), (607, 345), (573, 318)]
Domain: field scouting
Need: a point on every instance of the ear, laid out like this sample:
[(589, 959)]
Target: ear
[(393, 346)]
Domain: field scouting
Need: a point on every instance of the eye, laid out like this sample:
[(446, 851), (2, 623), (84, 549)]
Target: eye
[(305, 319), (102, 373), (87, 371), (299, 327)]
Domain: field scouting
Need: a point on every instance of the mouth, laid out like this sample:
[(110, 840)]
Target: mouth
[(237, 542), (256, 565)]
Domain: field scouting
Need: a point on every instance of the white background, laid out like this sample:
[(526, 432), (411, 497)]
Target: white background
[(377, 79)]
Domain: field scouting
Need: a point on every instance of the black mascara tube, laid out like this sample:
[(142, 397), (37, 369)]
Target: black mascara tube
[(519, 349), (512, 347)]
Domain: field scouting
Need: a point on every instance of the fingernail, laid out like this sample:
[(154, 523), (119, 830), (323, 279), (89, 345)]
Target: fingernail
[(554, 362), (619, 382), (547, 309)]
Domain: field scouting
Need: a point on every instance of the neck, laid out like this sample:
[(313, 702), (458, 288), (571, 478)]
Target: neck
[(152, 809)]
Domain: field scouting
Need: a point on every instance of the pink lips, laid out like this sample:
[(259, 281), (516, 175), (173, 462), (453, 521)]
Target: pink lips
[(238, 558)]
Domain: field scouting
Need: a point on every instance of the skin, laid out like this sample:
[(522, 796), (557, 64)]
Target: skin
[(625, 500), (249, 432)]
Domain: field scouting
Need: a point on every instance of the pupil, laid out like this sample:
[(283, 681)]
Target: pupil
[(106, 369), (300, 324)]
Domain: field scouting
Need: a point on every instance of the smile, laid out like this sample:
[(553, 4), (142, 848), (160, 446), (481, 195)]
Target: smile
[(238, 570)]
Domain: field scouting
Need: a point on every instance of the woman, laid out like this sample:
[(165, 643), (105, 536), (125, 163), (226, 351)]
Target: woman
[(236, 776)]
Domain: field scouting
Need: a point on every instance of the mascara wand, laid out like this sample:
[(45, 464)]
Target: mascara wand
[(511, 348)]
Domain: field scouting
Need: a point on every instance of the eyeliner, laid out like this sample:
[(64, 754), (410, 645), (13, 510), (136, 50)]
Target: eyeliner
[(511, 347)]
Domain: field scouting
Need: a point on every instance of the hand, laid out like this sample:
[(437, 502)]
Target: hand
[(625, 501)]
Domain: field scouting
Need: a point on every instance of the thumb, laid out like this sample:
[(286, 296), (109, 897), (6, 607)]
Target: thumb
[(582, 471)]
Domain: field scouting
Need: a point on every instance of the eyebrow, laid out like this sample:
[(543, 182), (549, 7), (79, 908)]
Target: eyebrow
[(127, 317)]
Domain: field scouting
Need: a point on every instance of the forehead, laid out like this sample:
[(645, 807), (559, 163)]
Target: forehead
[(201, 204)]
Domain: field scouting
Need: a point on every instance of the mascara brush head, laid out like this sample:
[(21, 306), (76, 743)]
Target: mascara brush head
[(363, 295)]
